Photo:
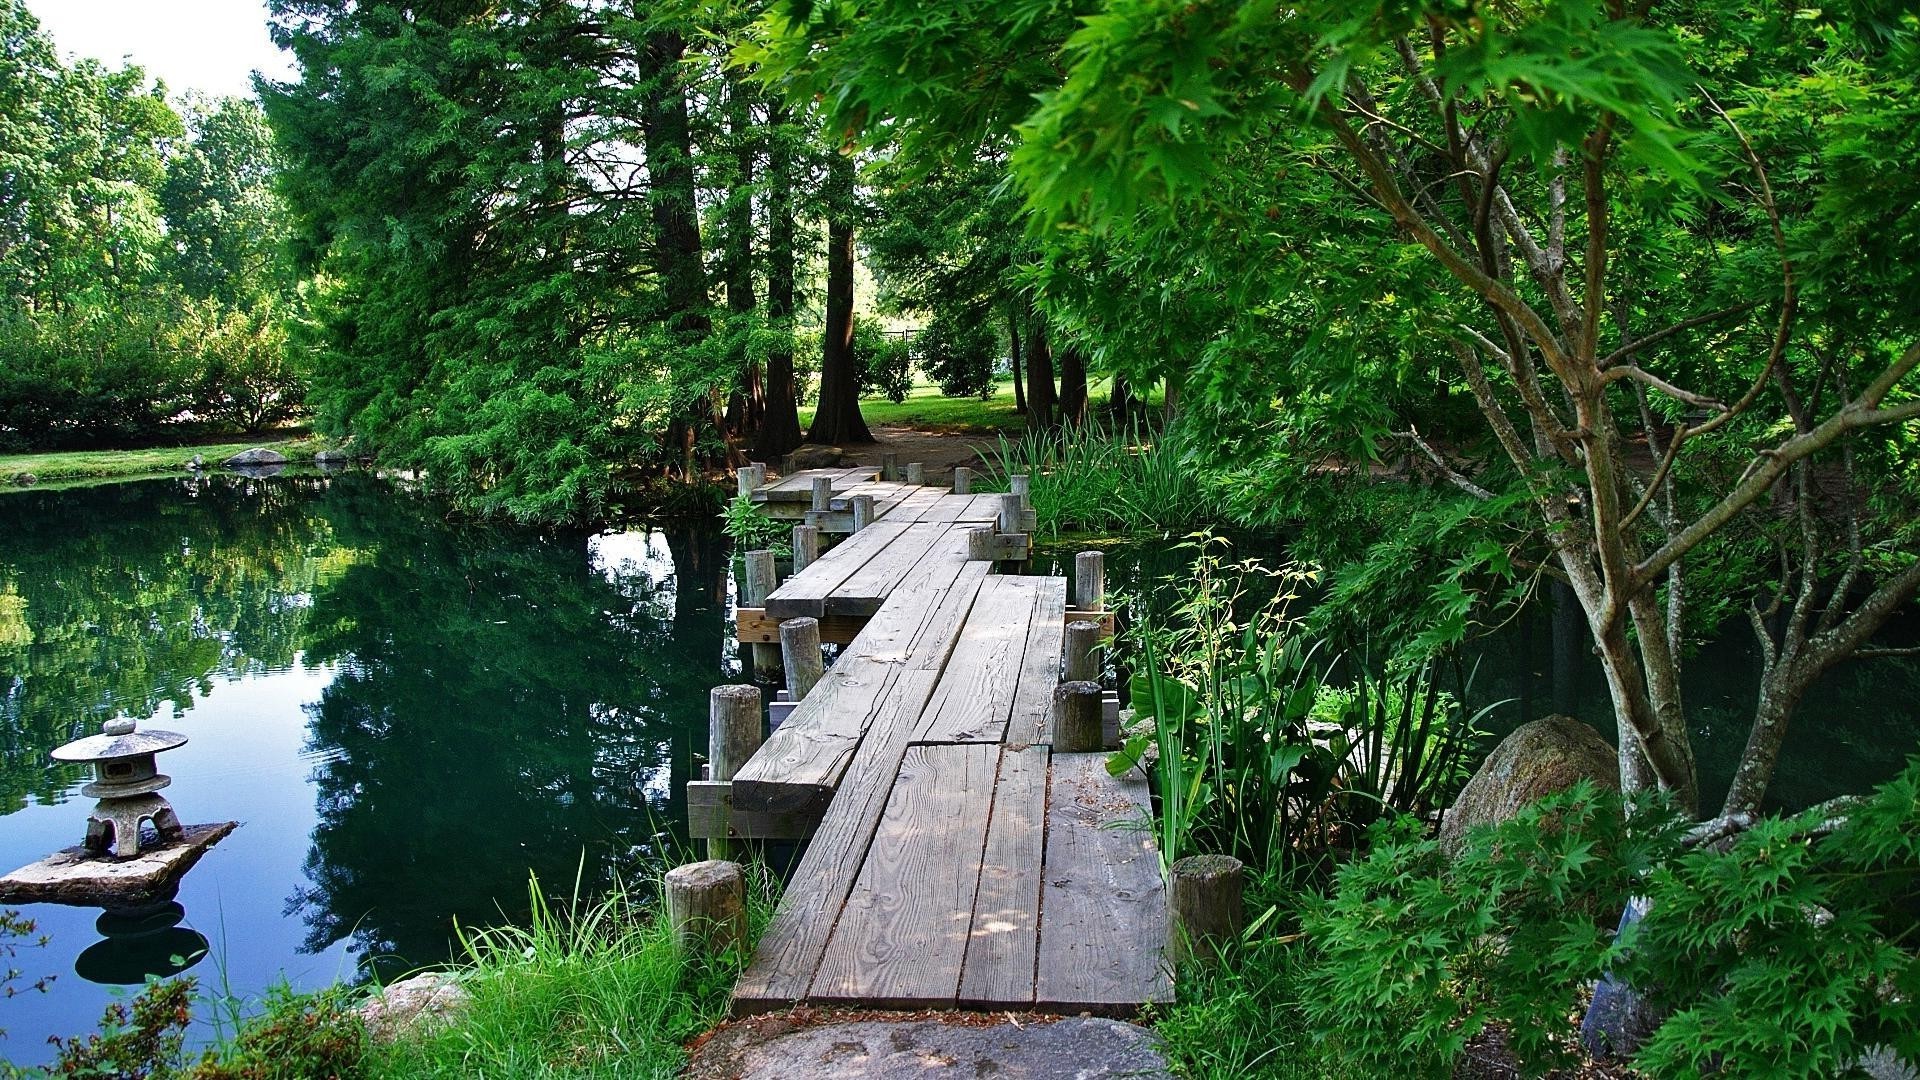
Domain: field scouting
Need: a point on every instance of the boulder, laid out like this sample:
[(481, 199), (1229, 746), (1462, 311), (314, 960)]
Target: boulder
[(1539, 759), (333, 457), (258, 455), (25, 479), (197, 462), (812, 456), (412, 1006)]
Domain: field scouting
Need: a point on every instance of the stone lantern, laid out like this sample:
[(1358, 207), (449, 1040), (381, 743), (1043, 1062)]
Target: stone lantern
[(127, 782)]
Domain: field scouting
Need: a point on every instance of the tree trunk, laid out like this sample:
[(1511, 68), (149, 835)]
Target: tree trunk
[(748, 409), (1073, 386), (780, 429), (1013, 347), (837, 419), (1120, 402), (1040, 396)]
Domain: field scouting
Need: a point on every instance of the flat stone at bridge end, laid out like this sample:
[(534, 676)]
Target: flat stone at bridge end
[(1074, 1048)]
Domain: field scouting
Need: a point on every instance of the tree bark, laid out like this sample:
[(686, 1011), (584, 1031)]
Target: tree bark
[(747, 410), (837, 419), (1040, 395), (1073, 386), (1019, 381), (1120, 402), (780, 429)]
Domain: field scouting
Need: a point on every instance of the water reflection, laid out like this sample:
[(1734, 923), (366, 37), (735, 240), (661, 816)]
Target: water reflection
[(410, 715)]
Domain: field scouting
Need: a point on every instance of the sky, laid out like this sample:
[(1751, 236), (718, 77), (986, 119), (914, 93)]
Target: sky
[(212, 46)]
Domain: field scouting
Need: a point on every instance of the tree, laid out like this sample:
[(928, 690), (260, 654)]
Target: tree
[(780, 430), (837, 418), (1550, 248)]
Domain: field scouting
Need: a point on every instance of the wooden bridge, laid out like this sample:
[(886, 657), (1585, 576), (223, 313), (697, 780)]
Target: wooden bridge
[(957, 857)]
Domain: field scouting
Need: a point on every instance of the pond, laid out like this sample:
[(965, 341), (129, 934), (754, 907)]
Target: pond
[(412, 715), (409, 716)]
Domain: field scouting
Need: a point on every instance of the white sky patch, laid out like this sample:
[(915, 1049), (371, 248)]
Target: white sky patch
[(212, 46)]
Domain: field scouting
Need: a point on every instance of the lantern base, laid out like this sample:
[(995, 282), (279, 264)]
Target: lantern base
[(114, 826)]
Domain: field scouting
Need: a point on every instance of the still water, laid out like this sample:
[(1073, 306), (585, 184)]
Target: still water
[(409, 716), (412, 715)]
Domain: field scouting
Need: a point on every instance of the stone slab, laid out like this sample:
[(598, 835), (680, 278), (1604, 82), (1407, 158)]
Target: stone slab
[(71, 876), (1076, 1048)]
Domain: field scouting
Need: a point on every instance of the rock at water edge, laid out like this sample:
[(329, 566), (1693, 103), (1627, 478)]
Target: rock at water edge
[(258, 455), (1539, 759)]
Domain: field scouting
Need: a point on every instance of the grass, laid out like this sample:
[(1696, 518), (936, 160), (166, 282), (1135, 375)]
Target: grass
[(596, 992), (927, 409), (1103, 478), (61, 467)]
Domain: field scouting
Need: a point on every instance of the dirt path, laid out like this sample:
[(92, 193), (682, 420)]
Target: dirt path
[(939, 452)]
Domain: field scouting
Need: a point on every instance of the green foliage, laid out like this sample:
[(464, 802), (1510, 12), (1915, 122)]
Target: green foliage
[(600, 992), (1098, 477), (137, 1040), (1253, 750), (304, 1035), (751, 528), (1782, 953), (883, 361), (1240, 1019), (959, 354)]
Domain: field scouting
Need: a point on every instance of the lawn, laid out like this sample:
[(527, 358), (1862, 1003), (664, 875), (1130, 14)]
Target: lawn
[(927, 409), (75, 465)]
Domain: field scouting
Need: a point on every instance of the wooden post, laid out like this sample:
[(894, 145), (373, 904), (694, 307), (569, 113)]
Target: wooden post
[(762, 579), (981, 546), (916, 473), (1021, 485), (1083, 644), (750, 477), (1204, 909), (1090, 581), (1076, 718), (823, 493), (707, 907), (800, 645), (889, 467), (1011, 513), (962, 480), (734, 733), (806, 546), (862, 512)]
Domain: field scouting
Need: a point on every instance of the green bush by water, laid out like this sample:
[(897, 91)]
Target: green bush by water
[(1095, 477)]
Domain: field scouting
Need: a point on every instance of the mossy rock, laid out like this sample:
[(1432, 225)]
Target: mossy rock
[(1541, 758)]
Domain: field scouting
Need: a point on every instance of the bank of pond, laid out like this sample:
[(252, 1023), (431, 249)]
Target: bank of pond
[(414, 715)]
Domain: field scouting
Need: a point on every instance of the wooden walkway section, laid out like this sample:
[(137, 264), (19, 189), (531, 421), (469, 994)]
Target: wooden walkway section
[(954, 858)]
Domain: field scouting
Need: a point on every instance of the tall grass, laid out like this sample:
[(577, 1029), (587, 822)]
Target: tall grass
[(1100, 477), (597, 992), (1256, 745)]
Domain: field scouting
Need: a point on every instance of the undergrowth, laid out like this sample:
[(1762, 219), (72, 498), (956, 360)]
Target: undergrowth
[(1100, 477)]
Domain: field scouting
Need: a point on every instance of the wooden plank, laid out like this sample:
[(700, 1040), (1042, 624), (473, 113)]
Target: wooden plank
[(711, 815), (1032, 719), (864, 590), (799, 486), (975, 696), (801, 764), (806, 592), (1103, 911), (902, 935), (755, 625), (789, 952), (1104, 618), (1004, 940)]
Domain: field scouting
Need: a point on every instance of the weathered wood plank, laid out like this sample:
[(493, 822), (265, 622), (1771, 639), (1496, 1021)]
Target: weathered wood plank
[(1004, 940), (789, 952), (867, 588), (803, 762), (799, 486), (1031, 722), (807, 591), (754, 624), (975, 695), (712, 815), (902, 934), (1103, 912)]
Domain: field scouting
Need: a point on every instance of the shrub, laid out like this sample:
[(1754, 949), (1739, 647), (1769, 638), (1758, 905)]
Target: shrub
[(883, 361), (958, 352), (1784, 953)]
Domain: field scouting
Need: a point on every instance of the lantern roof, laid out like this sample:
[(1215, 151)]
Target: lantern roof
[(118, 738)]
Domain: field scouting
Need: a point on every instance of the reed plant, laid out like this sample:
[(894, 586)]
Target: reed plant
[(1096, 476), (1256, 745)]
